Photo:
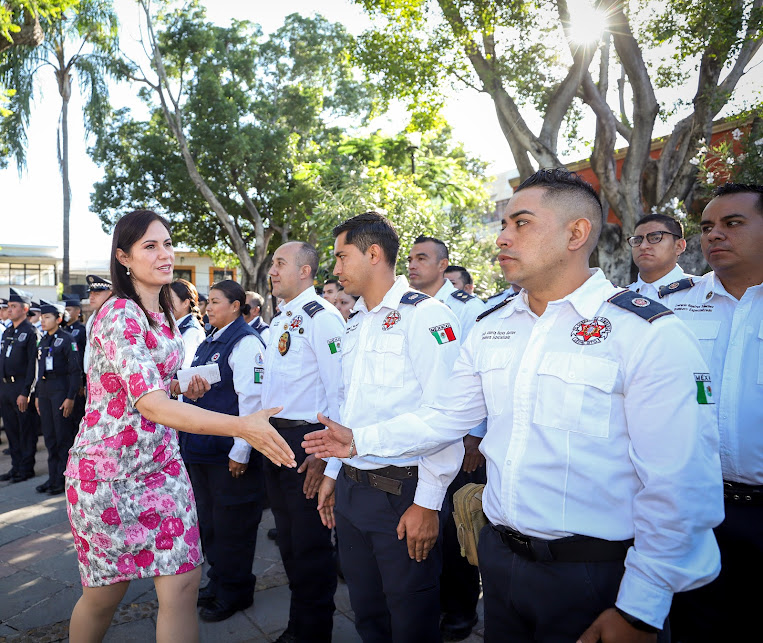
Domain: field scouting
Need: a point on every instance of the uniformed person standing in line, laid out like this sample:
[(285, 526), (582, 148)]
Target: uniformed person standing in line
[(99, 291), (460, 278), (33, 316), (657, 242), (603, 469), (78, 331), (397, 351), (724, 309), (254, 318), (460, 581), (59, 377), (303, 374), (18, 367), (4, 321)]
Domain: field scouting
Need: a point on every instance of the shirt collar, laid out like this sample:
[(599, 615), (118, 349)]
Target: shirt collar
[(218, 333), (308, 294), (445, 290), (390, 300), (183, 318), (586, 299), (676, 274)]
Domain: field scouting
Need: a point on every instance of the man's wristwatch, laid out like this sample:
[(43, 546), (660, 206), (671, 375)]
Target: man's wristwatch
[(637, 622)]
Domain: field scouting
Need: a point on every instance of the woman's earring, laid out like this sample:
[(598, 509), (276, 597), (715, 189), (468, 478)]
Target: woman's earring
[(128, 271)]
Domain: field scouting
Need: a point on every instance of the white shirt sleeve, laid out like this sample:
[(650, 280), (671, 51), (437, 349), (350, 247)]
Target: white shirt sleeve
[(242, 361), (192, 338), (325, 328)]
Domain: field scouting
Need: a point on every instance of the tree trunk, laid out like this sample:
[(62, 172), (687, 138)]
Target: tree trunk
[(65, 89), (31, 34)]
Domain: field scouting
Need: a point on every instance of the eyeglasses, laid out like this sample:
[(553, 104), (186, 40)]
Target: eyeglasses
[(652, 237)]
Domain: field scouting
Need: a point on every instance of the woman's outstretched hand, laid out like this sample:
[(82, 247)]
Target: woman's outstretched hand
[(333, 441), (257, 431)]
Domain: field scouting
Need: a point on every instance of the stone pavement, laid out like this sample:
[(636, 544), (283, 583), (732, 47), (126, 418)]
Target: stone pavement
[(39, 581)]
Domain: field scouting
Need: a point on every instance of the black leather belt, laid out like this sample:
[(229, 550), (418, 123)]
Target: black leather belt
[(387, 479), (281, 423), (738, 493), (574, 549)]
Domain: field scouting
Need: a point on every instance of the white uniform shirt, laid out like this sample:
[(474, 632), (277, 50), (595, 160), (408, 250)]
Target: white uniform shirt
[(466, 307), (651, 290), (192, 337), (730, 334), (86, 354), (247, 352), (264, 333), (594, 428), (494, 300), (395, 358), (304, 375)]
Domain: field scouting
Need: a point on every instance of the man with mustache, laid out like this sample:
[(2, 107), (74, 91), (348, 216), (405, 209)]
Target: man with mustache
[(657, 242), (603, 479), (724, 309)]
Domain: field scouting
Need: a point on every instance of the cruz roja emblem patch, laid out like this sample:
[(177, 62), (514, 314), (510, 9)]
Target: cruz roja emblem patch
[(283, 343), (591, 331), (296, 322), (640, 302), (390, 320)]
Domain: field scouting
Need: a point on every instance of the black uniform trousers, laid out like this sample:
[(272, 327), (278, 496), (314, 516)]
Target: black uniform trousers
[(229, 511), (304, 543), (395, 599), (57, 430), (459, 581), (20, 429), (543, 601), (727, 609)]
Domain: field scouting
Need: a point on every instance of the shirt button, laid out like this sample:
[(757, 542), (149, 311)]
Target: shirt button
[(572, 376)]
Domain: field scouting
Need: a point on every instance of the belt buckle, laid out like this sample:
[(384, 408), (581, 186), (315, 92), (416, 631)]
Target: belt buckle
[(523, 546)]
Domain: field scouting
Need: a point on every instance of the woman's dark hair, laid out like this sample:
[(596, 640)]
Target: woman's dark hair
[(186, 290), (233, 292), (128, 231)]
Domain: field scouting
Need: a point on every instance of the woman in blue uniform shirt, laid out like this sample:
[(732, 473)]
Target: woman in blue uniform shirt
[(225, 474), (59, 377)]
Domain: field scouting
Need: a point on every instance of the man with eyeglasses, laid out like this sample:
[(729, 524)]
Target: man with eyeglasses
[(724, 310), (656, 244)]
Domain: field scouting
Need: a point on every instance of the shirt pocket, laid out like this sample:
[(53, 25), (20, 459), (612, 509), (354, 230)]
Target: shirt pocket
[(386, 366), (706, 332), (492, 367), (575, 393)]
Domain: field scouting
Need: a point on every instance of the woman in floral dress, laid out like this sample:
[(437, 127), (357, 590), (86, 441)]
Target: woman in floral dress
[(129, 498)]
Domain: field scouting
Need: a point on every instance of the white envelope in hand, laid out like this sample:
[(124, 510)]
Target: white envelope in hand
[(210, 372)]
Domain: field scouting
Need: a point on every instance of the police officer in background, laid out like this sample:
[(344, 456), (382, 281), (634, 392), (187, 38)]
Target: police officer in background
[(254, 318), (33, 315), (203, 312), (78, 331), (460, 278), (59, 378), (331, 290), (4, 321), (657, 242), (603, 470), (18, 362), (724, 309), (99, 291), (398, 349), (303, 373), (460, 583)]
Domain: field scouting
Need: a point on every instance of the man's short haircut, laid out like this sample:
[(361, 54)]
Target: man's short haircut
[(673, 225), (371, 228), (335, 281), (440, 247), (307, 255), (741, 188), (565, 189), (465, 276), (256, 297)]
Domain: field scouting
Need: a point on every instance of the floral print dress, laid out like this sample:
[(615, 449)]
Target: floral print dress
[(129, 498)]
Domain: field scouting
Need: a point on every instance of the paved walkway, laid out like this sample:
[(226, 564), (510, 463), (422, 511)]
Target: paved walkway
[(39, 581)]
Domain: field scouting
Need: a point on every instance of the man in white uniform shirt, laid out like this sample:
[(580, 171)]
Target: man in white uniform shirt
[(397, 352), (657, 242), (303, 373), (603, 469), (724, 309)]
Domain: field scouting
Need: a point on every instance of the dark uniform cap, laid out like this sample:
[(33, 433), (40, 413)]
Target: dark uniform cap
[(20, 296), (72, 300), (202, 297), (34, 307), (96, 283), (3, 303), (51, 308)]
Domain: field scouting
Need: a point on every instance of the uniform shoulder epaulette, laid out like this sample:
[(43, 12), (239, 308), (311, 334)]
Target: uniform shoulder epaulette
[(352, 314), (462, 295), (676, 286), (505, 302), (312, 308), (413, 298), (641, 306)]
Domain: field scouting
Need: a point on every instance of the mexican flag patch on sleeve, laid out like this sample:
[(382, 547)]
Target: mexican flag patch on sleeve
[(335, 344), (704, 390), (443, 333)]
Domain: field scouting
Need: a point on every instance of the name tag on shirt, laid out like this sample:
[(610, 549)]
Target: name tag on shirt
[(49, 363), (8, 350)]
